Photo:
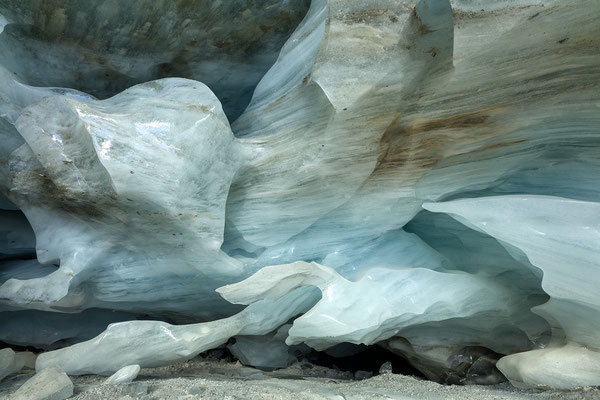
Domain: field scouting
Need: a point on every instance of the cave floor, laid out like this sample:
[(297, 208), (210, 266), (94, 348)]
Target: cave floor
[(218, 379)]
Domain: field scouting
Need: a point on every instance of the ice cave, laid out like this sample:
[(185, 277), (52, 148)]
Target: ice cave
[(312, 199)]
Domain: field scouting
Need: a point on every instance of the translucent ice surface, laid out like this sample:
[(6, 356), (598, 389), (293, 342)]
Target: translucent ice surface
[(562, 238), (102, 172), (283, 177), (156, 343)]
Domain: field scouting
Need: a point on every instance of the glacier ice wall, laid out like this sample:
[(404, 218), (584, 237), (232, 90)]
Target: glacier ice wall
[(104, 48), (418, 175)]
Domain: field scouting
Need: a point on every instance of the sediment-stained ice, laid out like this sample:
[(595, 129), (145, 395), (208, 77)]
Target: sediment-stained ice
[(108, 168), (315, 103)]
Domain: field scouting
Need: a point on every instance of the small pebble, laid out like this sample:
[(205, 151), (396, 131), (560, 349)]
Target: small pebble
[(386, 368), (196, 390)]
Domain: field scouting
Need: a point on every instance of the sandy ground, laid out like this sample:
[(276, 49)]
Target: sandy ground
[(217, 379)]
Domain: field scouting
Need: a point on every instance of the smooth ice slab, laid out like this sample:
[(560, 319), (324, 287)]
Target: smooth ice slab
[(156, 343), (377, 306)]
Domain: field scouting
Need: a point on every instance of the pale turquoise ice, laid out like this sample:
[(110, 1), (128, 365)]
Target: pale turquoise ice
[(146, 202), (561, 237), (388, 299), (114, 162), (156, 343)]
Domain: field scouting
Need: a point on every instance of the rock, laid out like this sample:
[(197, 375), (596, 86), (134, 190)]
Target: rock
[(247, 371), (125, 374), (265, 352), (9, 363), (195, 390), (28, 358), (360, 375), (49, 384), (134, 389), (386, 368), (258, 376)]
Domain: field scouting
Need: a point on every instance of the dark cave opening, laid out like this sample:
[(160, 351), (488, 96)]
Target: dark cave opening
[(367, 358), (360, 361)]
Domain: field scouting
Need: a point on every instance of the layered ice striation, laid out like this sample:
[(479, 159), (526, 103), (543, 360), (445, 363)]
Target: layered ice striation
[(104, 48), (417, 175)]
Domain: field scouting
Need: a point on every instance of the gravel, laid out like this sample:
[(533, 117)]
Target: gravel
[(209, 379)]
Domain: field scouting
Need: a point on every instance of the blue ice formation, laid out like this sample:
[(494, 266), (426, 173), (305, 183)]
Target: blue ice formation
[(418, 175)]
